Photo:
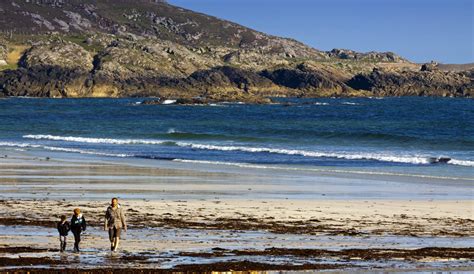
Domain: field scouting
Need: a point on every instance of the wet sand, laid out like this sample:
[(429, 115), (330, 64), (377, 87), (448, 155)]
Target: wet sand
[(193, 217)]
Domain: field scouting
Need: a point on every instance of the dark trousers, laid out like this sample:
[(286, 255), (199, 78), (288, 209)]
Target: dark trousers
[(77, 239), (62, 242)]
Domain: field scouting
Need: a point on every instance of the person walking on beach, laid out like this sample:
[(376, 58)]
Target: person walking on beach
[(78, 225), (114, 222), (63, 229)]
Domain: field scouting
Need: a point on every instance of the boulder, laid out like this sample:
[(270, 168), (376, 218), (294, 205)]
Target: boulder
[(432, 66)]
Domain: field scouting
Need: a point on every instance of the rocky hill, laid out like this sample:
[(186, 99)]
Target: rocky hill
[(123, 48)]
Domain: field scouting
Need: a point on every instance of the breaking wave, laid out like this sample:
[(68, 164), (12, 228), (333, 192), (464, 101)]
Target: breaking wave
[(383, 157), (95, 140)]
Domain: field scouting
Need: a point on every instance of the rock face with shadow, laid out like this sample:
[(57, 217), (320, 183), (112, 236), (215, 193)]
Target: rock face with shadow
[(429, 81)]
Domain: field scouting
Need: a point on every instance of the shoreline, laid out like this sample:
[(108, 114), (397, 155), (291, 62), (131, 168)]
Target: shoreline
[(225, 218), (56, 173)]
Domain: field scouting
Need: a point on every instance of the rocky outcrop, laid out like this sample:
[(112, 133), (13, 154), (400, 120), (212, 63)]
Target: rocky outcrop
[(231, 84), (38, 82), (57, 53), (368, 56), (57, 69), (426, 82), (83, 48), (469, 74), (218, 84), (309, 81), (432, 66), (124, 68)]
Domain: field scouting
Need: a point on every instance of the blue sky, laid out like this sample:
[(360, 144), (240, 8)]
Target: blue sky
[(420, 30)]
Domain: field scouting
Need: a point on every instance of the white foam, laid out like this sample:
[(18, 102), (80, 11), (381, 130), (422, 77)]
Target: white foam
[(461, 162), (95, 140), (342, 155), (168, 102), (384, 157), (172, 131), (350, 103), (22, 145)]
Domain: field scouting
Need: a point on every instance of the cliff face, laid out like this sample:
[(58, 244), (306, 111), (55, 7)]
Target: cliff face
[(122, 48)]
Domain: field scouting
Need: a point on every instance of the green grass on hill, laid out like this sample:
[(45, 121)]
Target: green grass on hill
[(9, 66)]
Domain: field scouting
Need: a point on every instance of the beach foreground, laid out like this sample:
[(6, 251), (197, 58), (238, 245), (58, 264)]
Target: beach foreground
[(187, 217)]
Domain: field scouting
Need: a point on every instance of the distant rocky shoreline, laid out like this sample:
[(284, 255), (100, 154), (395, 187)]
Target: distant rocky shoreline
[(77, 49), (73, 79)]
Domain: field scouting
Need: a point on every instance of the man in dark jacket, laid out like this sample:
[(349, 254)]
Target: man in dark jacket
[(78, 224), (63, 229), (114, 222)]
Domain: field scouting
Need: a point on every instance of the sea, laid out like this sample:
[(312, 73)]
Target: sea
[(408, 135)]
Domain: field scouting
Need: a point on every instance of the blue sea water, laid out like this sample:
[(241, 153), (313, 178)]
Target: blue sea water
[(402, 133)]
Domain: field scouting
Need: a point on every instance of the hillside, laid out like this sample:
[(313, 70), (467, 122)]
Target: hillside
[(123, 48)]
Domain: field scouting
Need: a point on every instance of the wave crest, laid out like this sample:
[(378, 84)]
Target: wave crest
[(347, 156), (95, 140), (408, 159), (461, 162)]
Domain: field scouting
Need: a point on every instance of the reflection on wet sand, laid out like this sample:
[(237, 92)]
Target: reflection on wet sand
[(185, 217)]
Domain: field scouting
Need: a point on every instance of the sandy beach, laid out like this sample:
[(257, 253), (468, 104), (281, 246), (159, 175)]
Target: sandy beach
[(183, 216), (236, 137)]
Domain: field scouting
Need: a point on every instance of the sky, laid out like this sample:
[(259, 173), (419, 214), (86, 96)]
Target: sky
[(420, 30)]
